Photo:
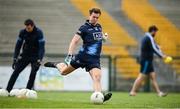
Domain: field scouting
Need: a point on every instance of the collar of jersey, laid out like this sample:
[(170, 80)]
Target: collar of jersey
[(87, 22), (148, 34)]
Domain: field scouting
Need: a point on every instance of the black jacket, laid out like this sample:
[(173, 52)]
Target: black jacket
[(33, 44)]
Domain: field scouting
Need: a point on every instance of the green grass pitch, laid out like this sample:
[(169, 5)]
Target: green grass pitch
[(82, 100)]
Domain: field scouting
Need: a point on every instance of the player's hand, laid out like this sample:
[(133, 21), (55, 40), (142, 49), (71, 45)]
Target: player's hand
[(68, 59), (105, 36), (168, 59), (14, 63), (38, 63)]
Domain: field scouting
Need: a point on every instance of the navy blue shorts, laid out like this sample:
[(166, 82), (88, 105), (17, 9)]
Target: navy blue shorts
[(85, 62), (146, 67)]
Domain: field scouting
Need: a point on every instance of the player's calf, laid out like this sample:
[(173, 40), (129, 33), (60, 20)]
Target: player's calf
[(62, 68)]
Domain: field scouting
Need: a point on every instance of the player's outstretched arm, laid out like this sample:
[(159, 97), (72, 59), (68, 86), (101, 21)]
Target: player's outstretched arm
[(75, 40), (156, 48), (41, 42), (18, 45)]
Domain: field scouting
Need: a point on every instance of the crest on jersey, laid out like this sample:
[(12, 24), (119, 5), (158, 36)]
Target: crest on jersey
[(97, 35)]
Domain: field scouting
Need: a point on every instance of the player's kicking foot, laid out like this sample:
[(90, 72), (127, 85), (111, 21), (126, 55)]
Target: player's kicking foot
[(50, 64), (162, 94), (107, 96)]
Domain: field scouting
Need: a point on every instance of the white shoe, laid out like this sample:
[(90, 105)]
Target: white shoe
[(162, 94), (132, 94)]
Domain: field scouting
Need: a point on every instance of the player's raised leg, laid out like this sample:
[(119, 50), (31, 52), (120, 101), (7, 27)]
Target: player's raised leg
[(63, 68)]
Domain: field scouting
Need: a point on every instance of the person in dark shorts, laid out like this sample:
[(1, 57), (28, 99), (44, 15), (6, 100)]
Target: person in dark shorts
[(88, 56), (148, 48)]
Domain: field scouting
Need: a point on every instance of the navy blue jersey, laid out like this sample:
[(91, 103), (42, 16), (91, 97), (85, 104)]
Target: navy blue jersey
[(92, 39), (149, 47), (33, 44)]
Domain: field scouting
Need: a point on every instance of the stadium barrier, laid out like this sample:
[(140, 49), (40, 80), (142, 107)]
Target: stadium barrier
[(118, 79), (48, 78)]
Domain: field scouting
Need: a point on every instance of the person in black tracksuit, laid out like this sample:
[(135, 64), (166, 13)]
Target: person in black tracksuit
[(32, 40), (148, 48)]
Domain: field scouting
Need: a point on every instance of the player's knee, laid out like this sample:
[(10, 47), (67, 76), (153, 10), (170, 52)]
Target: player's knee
[(16, 73), (34, 70), (139, 79), (153, 78), (97, 77)]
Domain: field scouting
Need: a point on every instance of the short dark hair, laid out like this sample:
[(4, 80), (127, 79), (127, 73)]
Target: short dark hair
[(95, 10), (152, 28), (29, 22)]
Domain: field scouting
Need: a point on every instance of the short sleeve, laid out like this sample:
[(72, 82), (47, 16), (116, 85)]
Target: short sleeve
[(81, 31)]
